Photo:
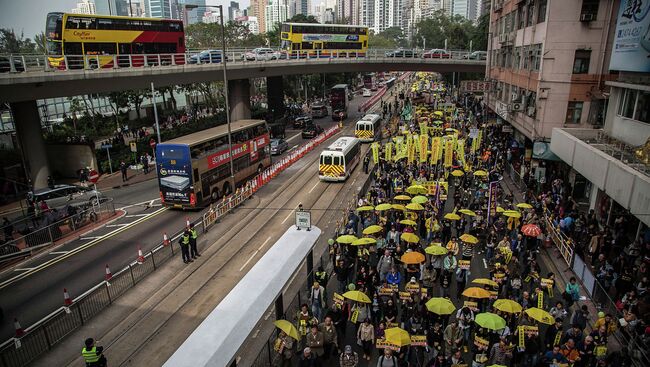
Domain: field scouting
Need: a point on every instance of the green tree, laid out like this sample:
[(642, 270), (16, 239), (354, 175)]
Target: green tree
[(456, 30), (11, 43), (40, 43), (381, 41), (302, 18), (479, 36), (75, 109), (135, 97), (396, 34), (273, 35)]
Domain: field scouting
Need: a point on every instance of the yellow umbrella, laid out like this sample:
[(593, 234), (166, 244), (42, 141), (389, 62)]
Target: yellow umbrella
[(468, 238), (365, 208), (490, 321), (416, 189), (438, 122), (452, 216), (402, 197), (357, 296), (467, 212), (485, 281), (412, 257), (480, 173), (507, 305), (346, 238), (410, 237), (398, 206), (384, 206), (457, 173), (408, 222), (540, 315), (414, 206), (288, 328), (512, 214), (419, 199), (398, 337), (364, 241), (436, 250), (372, 229), (438, 113), (440, 306), (524, 206), (476, 292), (500, 209)]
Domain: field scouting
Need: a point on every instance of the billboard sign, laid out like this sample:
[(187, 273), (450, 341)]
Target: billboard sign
[(631, 50)]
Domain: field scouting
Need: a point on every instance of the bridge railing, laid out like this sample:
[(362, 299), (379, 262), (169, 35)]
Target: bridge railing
[(14, 63)]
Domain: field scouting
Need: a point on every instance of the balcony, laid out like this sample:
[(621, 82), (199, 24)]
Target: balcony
[(609, 164)]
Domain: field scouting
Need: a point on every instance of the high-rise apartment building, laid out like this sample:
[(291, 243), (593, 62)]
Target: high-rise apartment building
[(193, 15), (112, 7), (233, 11), (465, 8), (276, 12), (84, 7), (258, 10), (166, 9), (251, 23), (388, 13)]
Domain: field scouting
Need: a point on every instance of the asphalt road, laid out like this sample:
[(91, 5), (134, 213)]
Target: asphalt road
[(35, 288)]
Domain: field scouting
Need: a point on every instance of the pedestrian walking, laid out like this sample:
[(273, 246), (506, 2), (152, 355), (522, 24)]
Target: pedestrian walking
[(366, 163), (317, 300), (184, 241), (92, 354), (194, 253), (349, 358), (123, 168)]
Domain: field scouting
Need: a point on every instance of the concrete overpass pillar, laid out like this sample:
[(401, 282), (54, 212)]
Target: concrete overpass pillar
[(30, 136), (275, 96), (239, 97)]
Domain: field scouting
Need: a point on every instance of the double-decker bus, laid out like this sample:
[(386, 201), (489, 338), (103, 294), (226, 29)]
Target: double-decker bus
[(369, 82), (323, 40), (195, 168), (368, 129), (79, 41), (339, 97), (339, 159)]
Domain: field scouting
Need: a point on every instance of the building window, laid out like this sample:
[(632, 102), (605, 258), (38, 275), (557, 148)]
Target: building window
[(536, 56), (629, 100), (526, 57), (642, 110), (517, 61), (541, 11), (521, 16), (530, 12), (573, 112), (590, 7), (581, 62)]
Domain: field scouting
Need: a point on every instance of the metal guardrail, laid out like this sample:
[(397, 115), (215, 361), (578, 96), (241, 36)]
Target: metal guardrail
[(50, 330), (19, 63), (48, 235), (563, 243)]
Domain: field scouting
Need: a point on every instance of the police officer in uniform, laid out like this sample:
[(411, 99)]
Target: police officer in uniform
[(193, 235), (92, 354), (185, 246)]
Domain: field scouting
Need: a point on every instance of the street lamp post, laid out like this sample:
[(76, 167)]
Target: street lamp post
[(225, 80)]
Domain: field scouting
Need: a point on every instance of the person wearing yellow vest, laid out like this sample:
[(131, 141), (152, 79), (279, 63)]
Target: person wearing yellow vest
[(93, 355), (193, 236), (184, 241)]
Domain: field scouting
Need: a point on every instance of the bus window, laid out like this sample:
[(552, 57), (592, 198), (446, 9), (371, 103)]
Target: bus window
[(306, 46), (295, 46), (196, 175), (124, 48), (99, 48), (72, 48), (337, 161)]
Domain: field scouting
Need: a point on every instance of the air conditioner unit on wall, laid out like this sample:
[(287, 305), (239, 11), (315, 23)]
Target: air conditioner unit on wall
[(515, 97), (517, 106)]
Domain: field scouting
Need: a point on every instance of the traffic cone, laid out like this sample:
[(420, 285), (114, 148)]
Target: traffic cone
[(19, 329), (165, 239), (108, 276), (66, 297), (140, 257)]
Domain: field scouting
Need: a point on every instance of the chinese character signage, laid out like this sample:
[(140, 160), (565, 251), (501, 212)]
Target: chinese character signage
[(631, 49), (474, 86)]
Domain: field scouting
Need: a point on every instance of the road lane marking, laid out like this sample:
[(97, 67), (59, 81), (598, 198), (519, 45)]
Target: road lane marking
[(249, 260), (136, 215), (312, 189), (117, 225), (91, 238), (148, 202), (264, 244), (30, 271), (256, 333), (293, 137), (484, 263), (23, 269), (59, 252), (289, 215)]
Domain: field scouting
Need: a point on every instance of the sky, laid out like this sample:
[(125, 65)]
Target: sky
[(28, 16)]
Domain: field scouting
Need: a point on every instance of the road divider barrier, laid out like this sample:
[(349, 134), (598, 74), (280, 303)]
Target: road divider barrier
[(372, 100)]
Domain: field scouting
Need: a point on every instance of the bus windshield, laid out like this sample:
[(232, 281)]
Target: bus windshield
[(53, 26)]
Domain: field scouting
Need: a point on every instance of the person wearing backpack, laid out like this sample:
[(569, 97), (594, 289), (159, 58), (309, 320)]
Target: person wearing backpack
[(387, 359)]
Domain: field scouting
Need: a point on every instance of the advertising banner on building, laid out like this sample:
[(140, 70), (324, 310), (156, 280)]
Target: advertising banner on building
[(474, 86), (631, 49)]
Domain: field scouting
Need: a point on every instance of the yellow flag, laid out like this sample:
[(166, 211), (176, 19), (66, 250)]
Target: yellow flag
[(416, 142), (388, 151), (435, 147), (449, 152), (411, 152), (474, 144), (424, 148), (375, 152), (460, 149)]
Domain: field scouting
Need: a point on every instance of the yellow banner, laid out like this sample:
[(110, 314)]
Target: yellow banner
[(449, 153), (480, 342), (472, 148), (411, 152), (460, 149), (431, 186), (355, 316), (338, 299), (424, 148), (383, 344), (385, 291), (388, 151), (416, 142), (419, 340), (406, 296), (540, 300), (521, 335), (436, 146), (463, 264), (470, 304), (375, 152)]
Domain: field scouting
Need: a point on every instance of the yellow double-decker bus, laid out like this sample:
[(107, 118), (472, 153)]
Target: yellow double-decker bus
[(301, 40)]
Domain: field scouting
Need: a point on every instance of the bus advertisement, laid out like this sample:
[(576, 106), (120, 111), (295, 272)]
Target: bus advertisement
[(302, 40), (195, 169)]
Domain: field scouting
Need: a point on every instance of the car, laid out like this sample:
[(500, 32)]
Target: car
[(436, 53), (302, 121), (401, 52), (206, 57), (261, 54), (60, 196), (476, 55), (318, 111), (278, 146), (311, 131), (337, 113), (366, 92)]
